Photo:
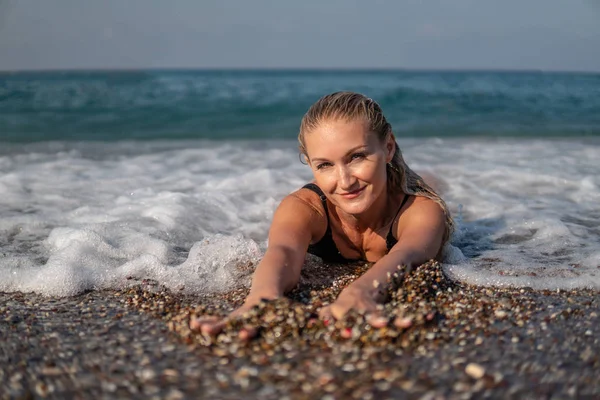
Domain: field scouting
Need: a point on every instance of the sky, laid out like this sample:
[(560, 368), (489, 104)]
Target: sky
[(549, 35)]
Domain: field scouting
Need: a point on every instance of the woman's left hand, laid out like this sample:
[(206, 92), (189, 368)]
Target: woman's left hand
[(363, 300), (357, 298)]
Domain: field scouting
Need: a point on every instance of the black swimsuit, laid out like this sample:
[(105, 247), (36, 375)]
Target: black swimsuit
[(326, 247)]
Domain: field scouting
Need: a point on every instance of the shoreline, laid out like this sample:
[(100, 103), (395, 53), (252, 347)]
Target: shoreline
[(133, 343)]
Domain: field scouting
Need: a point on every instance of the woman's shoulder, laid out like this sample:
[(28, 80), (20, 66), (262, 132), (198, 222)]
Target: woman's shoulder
[(423, 205), (308, 198), (421, 210), (301, 209)]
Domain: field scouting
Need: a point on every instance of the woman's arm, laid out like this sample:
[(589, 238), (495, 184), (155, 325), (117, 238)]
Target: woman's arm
[(289, 237), (291, 231), (420, 232)]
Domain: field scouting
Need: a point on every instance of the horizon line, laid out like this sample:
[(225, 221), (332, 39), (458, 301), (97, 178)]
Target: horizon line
[(296, 69)]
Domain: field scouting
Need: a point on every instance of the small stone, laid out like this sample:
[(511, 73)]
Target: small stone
[(380, 375), (458, 360), (41, 389), (171, 373), (324, 379), (51, 371), (147, 374), (348, 367), (109, 386), (175, 394), (587, 354), (460, 387), (383, 386), (475, 370)]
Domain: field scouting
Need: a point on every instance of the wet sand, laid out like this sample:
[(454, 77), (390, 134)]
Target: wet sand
[(464, 342)]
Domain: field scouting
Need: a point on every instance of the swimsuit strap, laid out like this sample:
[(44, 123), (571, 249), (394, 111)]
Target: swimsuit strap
[(390, 240), (317, 190)]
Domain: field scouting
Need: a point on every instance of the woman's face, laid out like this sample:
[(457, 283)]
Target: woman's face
[(349, 163)]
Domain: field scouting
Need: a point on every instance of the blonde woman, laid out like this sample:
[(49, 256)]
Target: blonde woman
[(365, 203)]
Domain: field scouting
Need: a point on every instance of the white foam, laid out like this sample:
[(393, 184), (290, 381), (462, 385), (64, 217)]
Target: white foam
[(194, 215), (531, 213)]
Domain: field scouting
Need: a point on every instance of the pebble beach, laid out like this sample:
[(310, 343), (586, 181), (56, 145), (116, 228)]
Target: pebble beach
[(463, 342)]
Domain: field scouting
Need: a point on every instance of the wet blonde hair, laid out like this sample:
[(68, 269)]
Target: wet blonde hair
[(352, 106)]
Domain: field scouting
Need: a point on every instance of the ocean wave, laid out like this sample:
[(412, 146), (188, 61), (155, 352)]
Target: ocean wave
[(224, 105)]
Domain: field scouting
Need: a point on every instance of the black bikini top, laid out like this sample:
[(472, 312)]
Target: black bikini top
[(326, 247)]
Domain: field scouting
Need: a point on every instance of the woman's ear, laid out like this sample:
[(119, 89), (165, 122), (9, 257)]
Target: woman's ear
[(303, 158), (390, 147)]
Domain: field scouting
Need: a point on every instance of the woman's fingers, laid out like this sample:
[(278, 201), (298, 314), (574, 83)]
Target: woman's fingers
[(326, 315), (338, 310), (213, 328), (403, 322), (247, 332), (377, 320), (340, 307), (208, 325), (213, 325), (196, 323)]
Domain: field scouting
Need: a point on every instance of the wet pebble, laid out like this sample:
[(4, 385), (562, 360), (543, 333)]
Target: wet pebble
[(475, 370)]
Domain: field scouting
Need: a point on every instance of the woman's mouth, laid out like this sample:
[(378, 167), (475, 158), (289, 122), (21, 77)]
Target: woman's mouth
[(353, 194)]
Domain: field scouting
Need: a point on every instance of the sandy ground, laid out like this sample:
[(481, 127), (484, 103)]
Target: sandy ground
[(465, 342)]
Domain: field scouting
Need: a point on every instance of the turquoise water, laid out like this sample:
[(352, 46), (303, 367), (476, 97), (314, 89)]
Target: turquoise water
[(225, 105)]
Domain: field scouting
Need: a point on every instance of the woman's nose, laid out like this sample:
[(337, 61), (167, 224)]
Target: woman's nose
[(346, 178)]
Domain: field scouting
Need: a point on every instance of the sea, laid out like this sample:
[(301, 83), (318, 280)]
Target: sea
[(108, 178)]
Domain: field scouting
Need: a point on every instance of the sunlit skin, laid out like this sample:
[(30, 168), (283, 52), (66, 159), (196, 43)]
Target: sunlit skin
[(349, 164)]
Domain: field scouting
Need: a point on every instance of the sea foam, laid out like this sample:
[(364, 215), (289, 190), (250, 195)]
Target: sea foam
[(194, 216)]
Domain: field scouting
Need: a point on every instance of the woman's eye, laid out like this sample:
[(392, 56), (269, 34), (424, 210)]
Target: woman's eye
[(323, 165), (357, 156)]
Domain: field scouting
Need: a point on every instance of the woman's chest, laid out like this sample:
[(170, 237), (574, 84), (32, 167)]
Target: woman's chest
[(353, 244)]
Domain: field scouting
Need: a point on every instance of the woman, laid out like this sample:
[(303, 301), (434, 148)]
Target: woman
[(365, 203)]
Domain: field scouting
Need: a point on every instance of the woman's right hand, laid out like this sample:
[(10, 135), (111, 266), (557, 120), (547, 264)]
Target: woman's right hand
[(213, 325), (279, 270)]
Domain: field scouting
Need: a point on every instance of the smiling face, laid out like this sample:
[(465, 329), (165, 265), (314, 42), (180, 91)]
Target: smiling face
[(349, 163)]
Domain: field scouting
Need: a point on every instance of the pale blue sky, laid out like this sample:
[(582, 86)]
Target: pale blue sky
[(437, 34)]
